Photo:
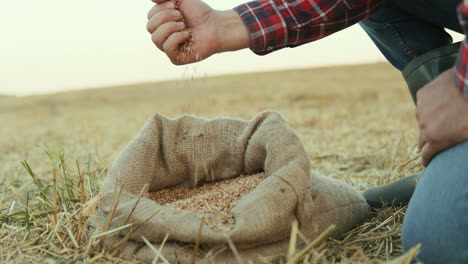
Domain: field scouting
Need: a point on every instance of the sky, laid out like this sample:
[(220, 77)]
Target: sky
[(57, 45)]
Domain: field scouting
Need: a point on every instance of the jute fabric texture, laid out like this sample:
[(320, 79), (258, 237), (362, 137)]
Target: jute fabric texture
[(190, 150)]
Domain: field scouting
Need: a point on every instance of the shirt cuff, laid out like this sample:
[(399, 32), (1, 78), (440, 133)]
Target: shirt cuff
[(461, 68), (268, 30)]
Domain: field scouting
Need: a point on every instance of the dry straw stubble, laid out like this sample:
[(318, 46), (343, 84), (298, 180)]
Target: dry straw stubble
[(371, 143)]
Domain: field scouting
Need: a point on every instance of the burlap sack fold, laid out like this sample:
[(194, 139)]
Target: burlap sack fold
[(190, 150)]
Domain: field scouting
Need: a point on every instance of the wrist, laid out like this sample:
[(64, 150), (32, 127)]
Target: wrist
[(232, 33)]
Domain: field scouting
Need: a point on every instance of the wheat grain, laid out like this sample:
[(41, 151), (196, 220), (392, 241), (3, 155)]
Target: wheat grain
[(216, 198)]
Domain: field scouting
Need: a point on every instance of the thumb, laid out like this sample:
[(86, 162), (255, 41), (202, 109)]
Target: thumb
[(429, 151), (426, 154)]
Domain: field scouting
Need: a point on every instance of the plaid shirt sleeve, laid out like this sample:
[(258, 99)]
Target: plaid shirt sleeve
[(275, 24), (461, 67)]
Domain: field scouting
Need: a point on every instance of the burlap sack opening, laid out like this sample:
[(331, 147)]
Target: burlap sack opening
[(189, 150)]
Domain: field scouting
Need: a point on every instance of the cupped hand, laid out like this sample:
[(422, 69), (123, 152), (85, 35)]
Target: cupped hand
[(442, 114), (186, 33)]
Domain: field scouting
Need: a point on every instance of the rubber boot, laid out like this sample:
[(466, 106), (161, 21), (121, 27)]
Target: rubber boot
[(420, 71), (425, 68), (397, 193)]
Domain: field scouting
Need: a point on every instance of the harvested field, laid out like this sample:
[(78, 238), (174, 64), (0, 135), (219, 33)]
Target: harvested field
[(357, 124)]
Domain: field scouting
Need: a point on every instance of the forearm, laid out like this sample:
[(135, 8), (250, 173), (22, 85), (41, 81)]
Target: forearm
[(232, 32)]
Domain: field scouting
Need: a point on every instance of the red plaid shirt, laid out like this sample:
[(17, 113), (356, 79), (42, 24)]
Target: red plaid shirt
[(461, 68), (276, 24)]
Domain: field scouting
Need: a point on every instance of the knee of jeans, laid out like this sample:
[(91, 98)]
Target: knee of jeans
[(410, 235), (452, 160), (434, 247), (418, 229), (371, 26), (388, 14), (437, 216)]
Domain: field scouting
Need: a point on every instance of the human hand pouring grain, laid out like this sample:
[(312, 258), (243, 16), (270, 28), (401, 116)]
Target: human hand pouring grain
[(173, 157), (189, 30)]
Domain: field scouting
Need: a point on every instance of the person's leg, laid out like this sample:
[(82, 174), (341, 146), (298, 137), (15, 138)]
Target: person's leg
[(437, 215), (411, 35), (402, 36), (442, 13)]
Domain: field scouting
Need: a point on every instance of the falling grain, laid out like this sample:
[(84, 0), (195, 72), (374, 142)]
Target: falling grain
[(186, 49)]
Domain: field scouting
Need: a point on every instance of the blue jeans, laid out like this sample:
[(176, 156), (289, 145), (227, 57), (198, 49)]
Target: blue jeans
[(437, 215), (405, 29)]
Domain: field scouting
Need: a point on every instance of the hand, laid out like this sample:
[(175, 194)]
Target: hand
[(195, 31), (442, 114)]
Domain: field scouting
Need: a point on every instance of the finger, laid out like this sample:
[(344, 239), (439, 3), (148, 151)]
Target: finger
[(428, 152), (425, 154), (159, 1), (169, 5), (172, 44), (164, 31), (162, 17), (422, 140)]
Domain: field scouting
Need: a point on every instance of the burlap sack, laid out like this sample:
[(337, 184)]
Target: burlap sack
[(190, 150)]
